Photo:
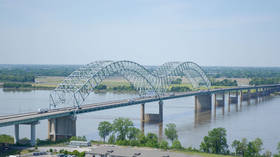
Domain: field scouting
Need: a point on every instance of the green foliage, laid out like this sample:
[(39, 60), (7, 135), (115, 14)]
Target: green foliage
[(242, 72), (121, 127), (177, 81), (176, 144), (78, 138), (17, 78), (151, 140), (171, 132), (122, 142), (132, 133), (264, 81), (16, 85), (142, 139), (112, 139), (224, 82), (248, 149), (75, 152), (6, 139), (24, 141), (254, 148), (215, 142), (29, 71), (179, 89), (240, 146), (163, 145), (101, 87), (123, 88), (104, 129), (134, 143)]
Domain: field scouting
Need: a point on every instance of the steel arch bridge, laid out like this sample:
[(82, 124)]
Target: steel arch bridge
[(79, 84)]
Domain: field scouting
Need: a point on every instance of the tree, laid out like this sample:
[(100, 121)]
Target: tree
[(112, 139), (121, 127), (176, 144), (254, 148), (104, 128), (240, 146), (215, 142), (171, 132), (132, 133)]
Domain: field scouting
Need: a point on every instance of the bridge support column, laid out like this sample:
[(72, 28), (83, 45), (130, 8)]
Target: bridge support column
[(61, 128), (219, 102), (33, 134), (142, 112), (154, 117), (143, 117), (160, 103), (16, 137), (203, 103), (229, 100), (249, 96)]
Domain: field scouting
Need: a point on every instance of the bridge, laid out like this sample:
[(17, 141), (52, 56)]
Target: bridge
[(67, 100)]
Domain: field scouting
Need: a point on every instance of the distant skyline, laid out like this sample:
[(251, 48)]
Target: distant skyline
[(150, 32)]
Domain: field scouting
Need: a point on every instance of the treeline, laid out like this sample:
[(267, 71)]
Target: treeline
[(225, 82), (123, 132), (264, 81), (16, 85), (17, 78), (242, 72), (28, 73)]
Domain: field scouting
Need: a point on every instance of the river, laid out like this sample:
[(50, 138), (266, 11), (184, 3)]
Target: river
[(257, 119)]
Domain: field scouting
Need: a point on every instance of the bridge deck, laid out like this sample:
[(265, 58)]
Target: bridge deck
[(25, 118)]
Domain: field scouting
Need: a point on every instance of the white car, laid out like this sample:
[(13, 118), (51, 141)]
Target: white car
[(43, 110)]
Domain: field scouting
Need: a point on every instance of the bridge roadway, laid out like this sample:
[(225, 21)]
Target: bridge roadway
[(31, 117)]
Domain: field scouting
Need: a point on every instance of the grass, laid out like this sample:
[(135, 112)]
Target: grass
[(201, 154)]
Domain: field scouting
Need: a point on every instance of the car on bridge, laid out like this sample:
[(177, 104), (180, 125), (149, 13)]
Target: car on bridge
[(43, 110)]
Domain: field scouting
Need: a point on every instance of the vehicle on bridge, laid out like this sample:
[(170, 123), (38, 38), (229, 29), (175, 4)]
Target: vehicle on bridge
[(43, 110)]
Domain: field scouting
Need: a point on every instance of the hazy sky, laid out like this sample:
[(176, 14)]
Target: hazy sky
[(150, 32)]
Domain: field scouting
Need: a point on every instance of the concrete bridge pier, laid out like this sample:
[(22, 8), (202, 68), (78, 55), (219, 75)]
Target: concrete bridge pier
[(33, 134), (219, 102), (203, 103), (249, 96), (143, 117), (151, 117), (233, 99), (16, 136), (61, 128)]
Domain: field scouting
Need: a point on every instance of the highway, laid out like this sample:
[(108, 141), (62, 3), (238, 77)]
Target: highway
[(25, 118)]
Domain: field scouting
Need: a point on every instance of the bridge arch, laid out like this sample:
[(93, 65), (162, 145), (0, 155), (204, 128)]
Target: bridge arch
[(80, 83)]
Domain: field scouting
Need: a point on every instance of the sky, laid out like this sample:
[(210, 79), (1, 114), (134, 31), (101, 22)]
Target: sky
[(149, 32)]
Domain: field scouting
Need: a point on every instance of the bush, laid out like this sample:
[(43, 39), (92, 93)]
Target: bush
[(122, 142), (6, 139), (78, 138), (134, 143), (176, 144), (152, 140), (163, 145), (142, 139)]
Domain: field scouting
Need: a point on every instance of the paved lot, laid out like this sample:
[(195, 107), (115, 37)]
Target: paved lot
[(122, 151)]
